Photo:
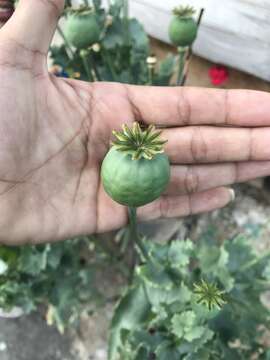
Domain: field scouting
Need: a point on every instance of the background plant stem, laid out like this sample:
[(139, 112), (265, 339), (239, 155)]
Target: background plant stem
[(96, 74), (189, 55), (126, 9), (87, 67), (181, 64), (132, 213), (108, 61), (151, 71), (126, 20), (68, 46)]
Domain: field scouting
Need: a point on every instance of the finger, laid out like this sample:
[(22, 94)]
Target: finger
[(33, 24), (178, 106), (189, 179), (178, 206), (203, 144)]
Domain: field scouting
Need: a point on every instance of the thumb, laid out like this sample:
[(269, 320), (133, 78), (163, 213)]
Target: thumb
[(33, 23)]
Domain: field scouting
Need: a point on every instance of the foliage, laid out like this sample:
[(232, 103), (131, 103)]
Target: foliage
[(120, 55), (161, 317), (60, 276)]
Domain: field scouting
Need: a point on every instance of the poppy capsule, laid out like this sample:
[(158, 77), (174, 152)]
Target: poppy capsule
[(6, 10)]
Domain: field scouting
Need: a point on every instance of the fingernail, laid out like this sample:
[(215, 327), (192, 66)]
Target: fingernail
[(232, 193)]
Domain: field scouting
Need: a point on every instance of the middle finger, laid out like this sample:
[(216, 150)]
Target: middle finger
[(209, 144)]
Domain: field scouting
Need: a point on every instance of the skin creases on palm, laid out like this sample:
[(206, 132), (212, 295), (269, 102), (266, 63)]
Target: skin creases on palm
[(54, 134), (50, 181)]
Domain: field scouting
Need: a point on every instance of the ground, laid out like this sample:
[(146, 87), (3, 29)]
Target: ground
[(29, 338)]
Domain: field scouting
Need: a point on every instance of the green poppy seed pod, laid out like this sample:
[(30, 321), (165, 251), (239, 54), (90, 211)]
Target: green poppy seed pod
[(183, 28), (82, 29), (135, 171)]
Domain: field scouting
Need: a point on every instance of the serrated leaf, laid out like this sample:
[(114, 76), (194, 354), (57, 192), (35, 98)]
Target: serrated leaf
[(195, 333), (115, 35), (158, 296), (138, 36), (179, 253), (131, 312), (155, 275), (32, 261), (158, 252), (166, 71), (182, 323), (214, 264), (167, 351), (240, 253), (9, 255)]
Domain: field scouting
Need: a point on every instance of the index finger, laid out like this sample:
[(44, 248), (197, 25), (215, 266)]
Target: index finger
[(182, 106)]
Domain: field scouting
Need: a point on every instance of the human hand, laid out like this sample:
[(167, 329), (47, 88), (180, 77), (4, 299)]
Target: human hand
[(54, 134)]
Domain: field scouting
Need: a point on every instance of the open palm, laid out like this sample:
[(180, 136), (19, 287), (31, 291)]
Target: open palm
[(55, 132)]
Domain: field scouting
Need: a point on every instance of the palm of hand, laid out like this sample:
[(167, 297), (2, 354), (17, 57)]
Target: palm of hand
[(54, 134)]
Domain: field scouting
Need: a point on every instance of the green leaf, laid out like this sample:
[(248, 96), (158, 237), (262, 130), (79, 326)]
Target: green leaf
[(179, 254), (131, 313), (167, 351), (32, 261), (156, 275), (183, 323), (139, 38), (158, 252), (214, 264), (266, 272), (195, 333), (115, 35), (240, 251), (165, 71), (9, 255), (116, 8), (158, 297), (97, 4)]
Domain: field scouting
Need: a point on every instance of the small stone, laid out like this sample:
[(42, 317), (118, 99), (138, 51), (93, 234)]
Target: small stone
[(101, 354)]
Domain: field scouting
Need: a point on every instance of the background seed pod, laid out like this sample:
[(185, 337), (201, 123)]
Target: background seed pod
[(183, 32)]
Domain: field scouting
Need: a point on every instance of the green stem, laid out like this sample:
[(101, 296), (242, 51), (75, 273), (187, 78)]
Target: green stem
[(83, 55), (151, 71), (189, 54), (68, 46), (86, 3), (132, 213), (126, 20), (126, 9), (108, 61), (96, 74), (182, 53)]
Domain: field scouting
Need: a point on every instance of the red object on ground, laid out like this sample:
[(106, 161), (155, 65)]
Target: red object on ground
[(218, 74), (6, 10)]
